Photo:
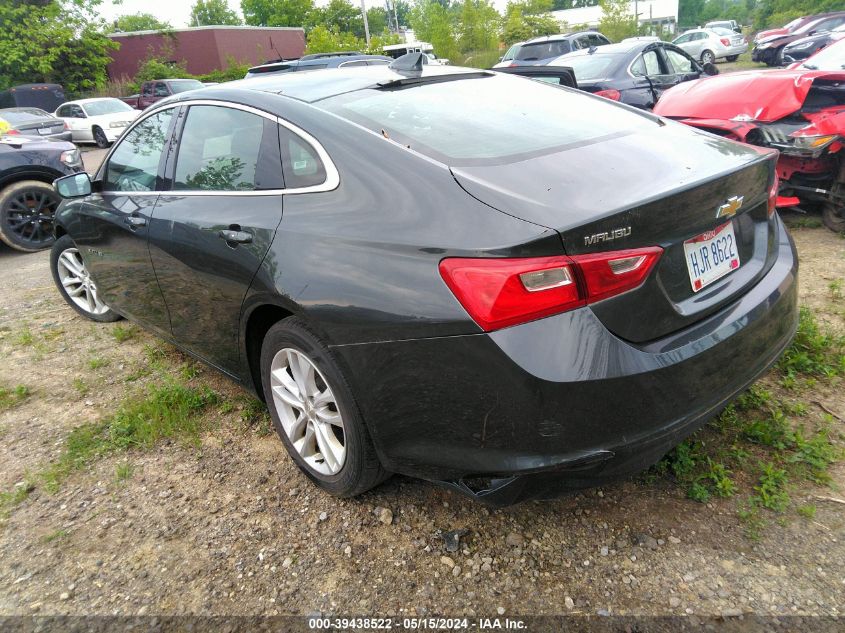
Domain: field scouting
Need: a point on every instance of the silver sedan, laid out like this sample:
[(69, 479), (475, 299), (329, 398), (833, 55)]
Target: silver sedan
[(708, 45)]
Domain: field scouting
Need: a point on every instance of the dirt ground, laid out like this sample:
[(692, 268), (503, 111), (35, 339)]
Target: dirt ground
[(234, 528)]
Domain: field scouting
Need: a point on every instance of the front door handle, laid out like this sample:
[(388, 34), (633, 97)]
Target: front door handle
[(135, 221), (235, 237)]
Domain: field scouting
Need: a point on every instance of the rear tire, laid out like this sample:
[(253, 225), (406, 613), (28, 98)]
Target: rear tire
[(27, 209), (732, 58), (834, 217), (100, 137), (315, 413), (707, 57), (76, 287)]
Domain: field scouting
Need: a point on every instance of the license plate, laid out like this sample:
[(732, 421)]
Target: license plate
[(44, 131), (711, 256)]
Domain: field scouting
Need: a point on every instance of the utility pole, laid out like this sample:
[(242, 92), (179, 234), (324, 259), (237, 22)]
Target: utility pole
[(366, 24)]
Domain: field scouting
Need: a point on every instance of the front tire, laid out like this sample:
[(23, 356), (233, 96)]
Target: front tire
[(27, 209), (315, 412), (100, 137), (707, 57), (75, 284)]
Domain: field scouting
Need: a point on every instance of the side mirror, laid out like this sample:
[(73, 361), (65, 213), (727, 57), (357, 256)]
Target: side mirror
[(73, 186), (710, 69)]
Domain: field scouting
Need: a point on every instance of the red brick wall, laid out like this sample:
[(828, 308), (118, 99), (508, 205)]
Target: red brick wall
[(206, 49)]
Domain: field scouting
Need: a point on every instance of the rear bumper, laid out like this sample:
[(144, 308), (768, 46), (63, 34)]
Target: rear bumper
[(562, 403)]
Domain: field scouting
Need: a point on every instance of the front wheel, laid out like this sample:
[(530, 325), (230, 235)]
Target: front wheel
[(707, 57), (732, 58), (315, 412), (75, 284), (26, 215), (100, 138)]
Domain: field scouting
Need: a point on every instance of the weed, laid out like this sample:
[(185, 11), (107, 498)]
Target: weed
[(169, 411), (10, 398), (55, 536), (188, 371), (123, 471), (122, 333), (97, 362), (771, 491), (804, 223), (52, 334), (808, 511), (773, 430), (81, 386), (815, 453), (835, 288), (754, 523), (720, 477), (24, 337), (812, 352), (15, 496)]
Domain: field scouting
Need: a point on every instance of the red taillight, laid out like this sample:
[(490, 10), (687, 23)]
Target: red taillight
[(773, 195), (725, 41), (610, 93), (501, 292), (13, 132)]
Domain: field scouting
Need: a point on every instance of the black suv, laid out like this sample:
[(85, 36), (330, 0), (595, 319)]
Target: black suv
[(540, 50), (318, 61), (27, 199)]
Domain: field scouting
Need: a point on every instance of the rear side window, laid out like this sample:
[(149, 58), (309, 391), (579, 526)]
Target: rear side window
[(302, 166), (543, 50), (480, 120), (224, 149), (133, 166)]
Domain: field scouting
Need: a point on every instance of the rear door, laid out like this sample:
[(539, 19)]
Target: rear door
[(115, 221), (212, 230)]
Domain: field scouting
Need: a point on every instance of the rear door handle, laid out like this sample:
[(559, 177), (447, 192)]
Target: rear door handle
[(135, 221), (235, 237)]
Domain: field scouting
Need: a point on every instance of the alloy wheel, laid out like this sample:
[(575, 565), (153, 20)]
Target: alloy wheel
[(308, 411), (78, 283), (29, 216)]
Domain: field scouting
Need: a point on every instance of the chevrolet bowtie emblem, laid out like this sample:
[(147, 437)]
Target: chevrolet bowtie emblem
[(730, 208)]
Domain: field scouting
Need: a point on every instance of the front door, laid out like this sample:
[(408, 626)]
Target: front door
[(212, 230), (115, 221)]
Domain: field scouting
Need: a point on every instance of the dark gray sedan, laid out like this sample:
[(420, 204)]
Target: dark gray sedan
[(505, 286), (35, 122)]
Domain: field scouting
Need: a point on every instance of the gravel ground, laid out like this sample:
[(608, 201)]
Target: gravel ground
[(232, 527)]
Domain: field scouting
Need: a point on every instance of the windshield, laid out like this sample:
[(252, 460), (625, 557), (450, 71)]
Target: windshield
[(591, 67), (484, 120), (808, 27), (790, 26), (106, 106), (16, 117), (830, 58), (183, 85), (512, 51), (542, 50)]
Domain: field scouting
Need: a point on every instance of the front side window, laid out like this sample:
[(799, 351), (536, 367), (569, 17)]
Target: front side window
[(147, 90), (133, 165), (161, 90), (647, 65), (683, 39), (681, 63), (224, 149)]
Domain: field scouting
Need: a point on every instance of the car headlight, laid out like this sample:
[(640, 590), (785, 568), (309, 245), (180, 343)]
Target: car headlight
[(71, 157), (763, 45), (814, 142)]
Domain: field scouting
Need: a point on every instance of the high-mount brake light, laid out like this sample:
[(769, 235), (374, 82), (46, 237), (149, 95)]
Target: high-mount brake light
[(499, 292)]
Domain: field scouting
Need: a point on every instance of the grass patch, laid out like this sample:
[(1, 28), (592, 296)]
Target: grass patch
[(807, 511), (123, 333), (24, 338), (81, 387), (97, 362), (803, 223), (169, 411), (10, 398), (813, 352), (55, 536), (15, 496), (835, 288), (123, 471)]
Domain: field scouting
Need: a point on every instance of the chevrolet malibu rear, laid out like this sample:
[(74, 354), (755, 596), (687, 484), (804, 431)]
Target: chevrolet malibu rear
[(510, 288)]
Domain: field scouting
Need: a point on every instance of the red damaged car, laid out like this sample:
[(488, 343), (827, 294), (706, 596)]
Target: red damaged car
[(799, 111)]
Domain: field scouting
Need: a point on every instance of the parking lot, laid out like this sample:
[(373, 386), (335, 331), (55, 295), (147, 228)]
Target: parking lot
[(219, 521)]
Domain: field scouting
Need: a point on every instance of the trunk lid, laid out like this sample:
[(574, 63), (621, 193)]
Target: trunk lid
[(656, 188)]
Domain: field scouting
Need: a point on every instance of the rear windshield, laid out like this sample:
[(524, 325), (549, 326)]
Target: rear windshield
[(184, 85), (485, 120), (106, 106), (16, 117), (543, 50), (591, 67)]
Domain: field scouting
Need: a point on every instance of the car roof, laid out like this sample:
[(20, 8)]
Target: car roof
[(91, 100), (621, 48), (310, 86), (558, 37), (318, 61)]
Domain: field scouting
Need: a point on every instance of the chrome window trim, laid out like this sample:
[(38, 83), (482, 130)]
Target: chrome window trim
[(329, 184)]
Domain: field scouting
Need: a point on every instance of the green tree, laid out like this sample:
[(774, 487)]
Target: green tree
[(432, 23), (324, 40), (617, 22), (277, 12), (479, 26), (377, 20), (52, 41), (140, 22), (338, 15), (524, 20), (213, 12)]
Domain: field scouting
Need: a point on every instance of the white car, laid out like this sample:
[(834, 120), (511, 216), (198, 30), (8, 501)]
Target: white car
[(708, 45), (100, 120)]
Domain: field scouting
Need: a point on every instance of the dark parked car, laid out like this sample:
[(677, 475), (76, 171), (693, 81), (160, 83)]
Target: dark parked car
[(808, 46), (635, 72), (44, 96), (538, 51), (153, 91), (319, 61), (35, 122), (27, 199), (417, 281), (770, 49)]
